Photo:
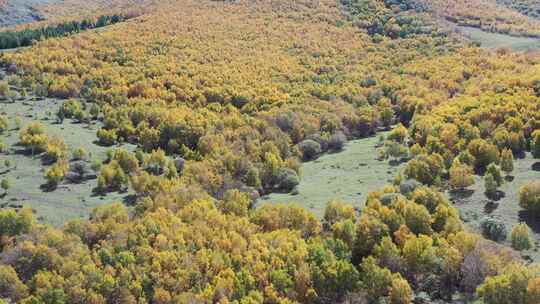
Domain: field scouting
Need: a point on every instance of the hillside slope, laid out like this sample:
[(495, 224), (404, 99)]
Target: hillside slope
[(223, 100)]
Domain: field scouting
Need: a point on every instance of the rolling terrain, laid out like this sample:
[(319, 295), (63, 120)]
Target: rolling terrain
[(333, 151)]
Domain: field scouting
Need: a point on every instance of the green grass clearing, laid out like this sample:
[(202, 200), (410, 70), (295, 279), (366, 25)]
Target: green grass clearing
[(25, 174), (496, 40), (348, 175)]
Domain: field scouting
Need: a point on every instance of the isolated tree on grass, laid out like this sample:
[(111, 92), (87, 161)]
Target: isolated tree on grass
[(5, 184), (56, 173), (33, 137), (529, 197), (507, 161), (495, 171), (520, 237), (3, 124), (535, 144), (460, 176), (490, 184)]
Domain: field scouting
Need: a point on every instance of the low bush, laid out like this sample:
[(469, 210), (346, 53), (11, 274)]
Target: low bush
[(529, 197), (493, 229)]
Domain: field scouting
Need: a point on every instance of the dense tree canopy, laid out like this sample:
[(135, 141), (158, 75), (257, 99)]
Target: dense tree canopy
[(223, 99)]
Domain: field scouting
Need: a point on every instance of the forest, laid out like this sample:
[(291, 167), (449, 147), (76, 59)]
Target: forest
[(22, 38), (201, 107)]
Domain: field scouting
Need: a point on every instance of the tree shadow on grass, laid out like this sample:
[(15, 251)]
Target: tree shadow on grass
[(530, 219), (129, 200), (48, 187), (496, 196), (490, 206), (459, 195), (396, 162), (520, 155)]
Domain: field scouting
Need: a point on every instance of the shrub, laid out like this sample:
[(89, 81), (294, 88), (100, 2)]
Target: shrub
[(4, 90), (520, 237), (483, 152), (55, 174), (396, 150), (529, 197), (235, 202), (493, 229), (408, 186), (376, 281), (508, 287), (5, 185), (369, 232), (460, 176), (490, 184), (419, 254), (344, 230), (3, 124), (70, 109), (398, 134), (535, 144), (56, 149), (156, 162), (107, 137), (418, 219), (533, 291), (79, 154), (425, 169), (11, 287), (336, 211), (507, 161), (400, 291), (33, 137), (287, 179), (112, 177), (278, 216), (495, 171), (95, 110), (310, 149), (337, 141)]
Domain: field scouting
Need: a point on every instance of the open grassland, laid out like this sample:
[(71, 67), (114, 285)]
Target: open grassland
[(496, 40), (26, 173), (474, 204), (346, 176)]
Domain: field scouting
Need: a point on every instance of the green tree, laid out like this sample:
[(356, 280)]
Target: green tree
[(509, 287), (520, 237), (495, 171), (529, 197), (507, 161), (483, 152), (490, 184), (55, 174), (5, 184), (493, 229), (419, 254), (107, 137), (460, 176), (3, 124), (400, 291), (376, 281), (418, 219), (310, 149), (33, 137), (535, 144)]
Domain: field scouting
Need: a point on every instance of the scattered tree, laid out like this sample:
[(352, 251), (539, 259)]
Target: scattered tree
[(520, 237)]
